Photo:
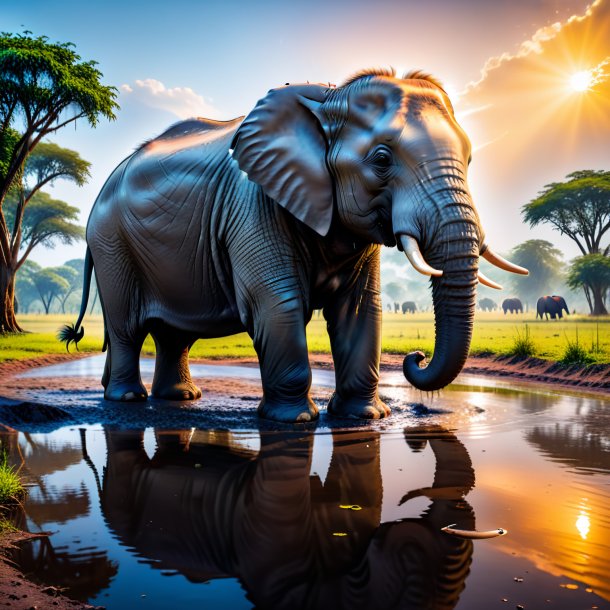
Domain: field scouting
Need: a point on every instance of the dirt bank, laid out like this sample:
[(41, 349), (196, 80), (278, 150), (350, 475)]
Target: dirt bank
[(593, 378), (18, 592)]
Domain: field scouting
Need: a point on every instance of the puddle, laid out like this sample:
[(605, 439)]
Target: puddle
[(169, 515)]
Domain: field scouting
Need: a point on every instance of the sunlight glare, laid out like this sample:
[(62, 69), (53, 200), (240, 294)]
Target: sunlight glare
[(583, 524), (581, 81)]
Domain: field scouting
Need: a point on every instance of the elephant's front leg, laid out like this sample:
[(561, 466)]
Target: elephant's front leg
[(354, 327), (280, 342)]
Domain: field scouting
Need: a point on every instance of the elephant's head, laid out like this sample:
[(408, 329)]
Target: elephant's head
[(386, 159)]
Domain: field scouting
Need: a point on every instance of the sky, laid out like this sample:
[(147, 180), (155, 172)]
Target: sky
[(508, 67)]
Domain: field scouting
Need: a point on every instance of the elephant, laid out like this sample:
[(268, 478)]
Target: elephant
[(396, 307), (208, 508), (551, 306), (514, 305), (219, 227), (409, 306), (488, 304)]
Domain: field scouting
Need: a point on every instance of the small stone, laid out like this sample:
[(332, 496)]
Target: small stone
[(520, 607), (504, 599)]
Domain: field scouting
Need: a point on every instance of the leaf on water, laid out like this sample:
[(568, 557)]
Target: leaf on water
[(350, 506), (340, 534)]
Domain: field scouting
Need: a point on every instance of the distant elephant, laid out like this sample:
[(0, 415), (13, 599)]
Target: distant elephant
[(209, 508), (513, 305), (551, 306), (409, 306), (214, 228), (487, 304), (396, 307)]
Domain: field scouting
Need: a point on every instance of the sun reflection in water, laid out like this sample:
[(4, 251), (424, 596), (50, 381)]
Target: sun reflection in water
[(583, 524)]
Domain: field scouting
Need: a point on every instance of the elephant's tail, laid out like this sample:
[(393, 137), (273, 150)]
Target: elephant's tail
[(73, 333)]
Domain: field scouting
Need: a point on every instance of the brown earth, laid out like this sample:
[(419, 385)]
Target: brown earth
[(593, 378), (18, 592)]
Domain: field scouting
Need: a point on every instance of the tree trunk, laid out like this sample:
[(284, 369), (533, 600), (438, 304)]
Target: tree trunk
[(599, 307), (8, 322)]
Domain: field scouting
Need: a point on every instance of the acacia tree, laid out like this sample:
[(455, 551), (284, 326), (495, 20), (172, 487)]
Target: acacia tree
[(592, 274), (72, 272), (50, 285), (580, 209), (545, 264), (43, 87)]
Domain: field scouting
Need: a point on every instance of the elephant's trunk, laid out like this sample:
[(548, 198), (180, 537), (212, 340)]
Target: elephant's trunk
[(456, 253)]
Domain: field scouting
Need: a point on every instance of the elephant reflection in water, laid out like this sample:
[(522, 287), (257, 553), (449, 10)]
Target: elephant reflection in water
[(209, 508)]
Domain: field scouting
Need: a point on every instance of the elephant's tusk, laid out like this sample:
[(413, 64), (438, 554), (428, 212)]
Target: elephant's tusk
[(474, 535), (487, 282), (409, 245), (502, 263)]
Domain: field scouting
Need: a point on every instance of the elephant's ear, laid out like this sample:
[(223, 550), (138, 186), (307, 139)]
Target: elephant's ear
[(282, 147)]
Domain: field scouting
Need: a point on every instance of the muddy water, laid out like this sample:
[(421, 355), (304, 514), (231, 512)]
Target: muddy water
[(328, 518)]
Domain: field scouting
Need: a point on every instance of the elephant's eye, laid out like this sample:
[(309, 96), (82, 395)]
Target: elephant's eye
[(382, 161)]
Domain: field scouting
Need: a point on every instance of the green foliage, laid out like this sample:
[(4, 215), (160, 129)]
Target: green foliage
[(523, 344), (49, 285), (44, 86), (11, 488), (45, 221), (8, 142), (575, 353), (578, 208), (590, 270), (545, 264), (44, 79), (394, 290), (49, 161), (592, 273)]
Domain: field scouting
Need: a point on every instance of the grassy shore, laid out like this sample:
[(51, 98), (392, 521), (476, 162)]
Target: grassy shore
[(494, 333)]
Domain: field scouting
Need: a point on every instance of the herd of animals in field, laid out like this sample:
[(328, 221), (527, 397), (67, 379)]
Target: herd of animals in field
[(547, 307)]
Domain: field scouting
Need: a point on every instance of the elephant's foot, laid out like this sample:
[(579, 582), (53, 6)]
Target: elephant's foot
[(288, 412), (357, 408), (126, 392), (183, 390)]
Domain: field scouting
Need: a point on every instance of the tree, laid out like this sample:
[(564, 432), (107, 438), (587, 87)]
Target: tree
[(25, 290), (47, 221), (72, 272), (578, 208), (545, 265), (43, 87), (50, 285), (592, 273), (394, 290)]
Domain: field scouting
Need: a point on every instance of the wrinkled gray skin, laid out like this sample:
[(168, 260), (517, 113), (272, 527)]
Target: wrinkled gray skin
[(551, 306), (190, 240), (513, 305)]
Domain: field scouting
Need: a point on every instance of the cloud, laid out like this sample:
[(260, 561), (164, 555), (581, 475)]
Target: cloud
[(531, 124), (181, 101), (533, 45)]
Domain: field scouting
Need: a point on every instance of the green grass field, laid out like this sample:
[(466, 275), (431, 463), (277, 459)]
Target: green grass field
[(493, 333)]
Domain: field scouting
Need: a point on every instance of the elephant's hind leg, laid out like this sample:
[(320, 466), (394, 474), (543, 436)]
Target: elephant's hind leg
[(119, 296), (172, 379), (122, 373)]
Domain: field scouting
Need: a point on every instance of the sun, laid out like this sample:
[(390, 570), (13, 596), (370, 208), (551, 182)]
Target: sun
[(581, 81)]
